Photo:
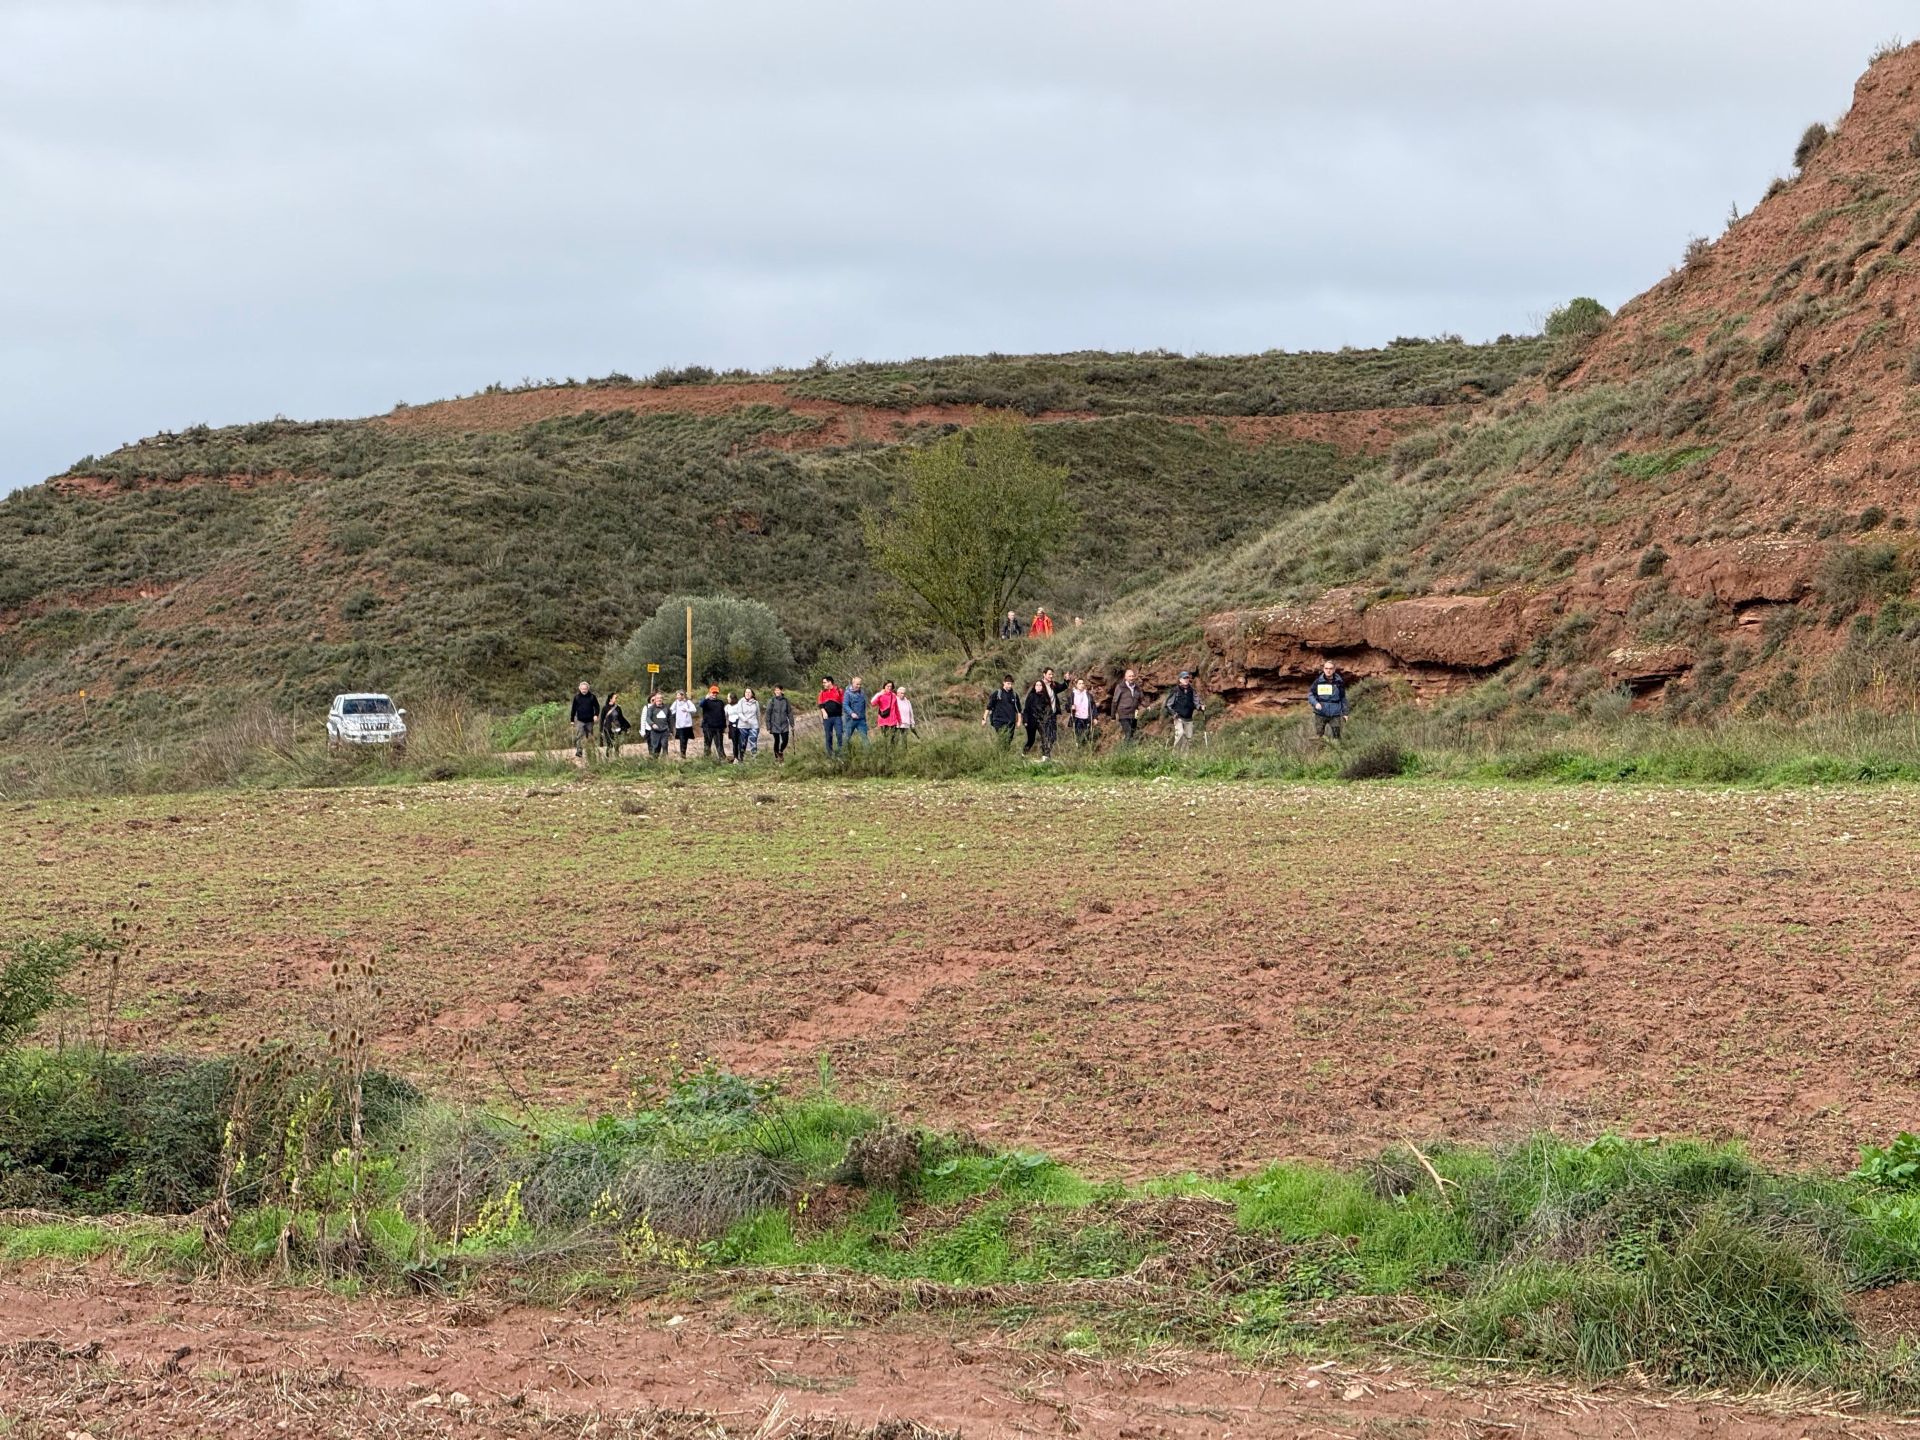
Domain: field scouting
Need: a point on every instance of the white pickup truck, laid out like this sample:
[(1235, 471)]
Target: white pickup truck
[(365, 720)]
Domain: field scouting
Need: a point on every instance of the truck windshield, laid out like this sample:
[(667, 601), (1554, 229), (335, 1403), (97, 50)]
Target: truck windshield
[(375, 705)]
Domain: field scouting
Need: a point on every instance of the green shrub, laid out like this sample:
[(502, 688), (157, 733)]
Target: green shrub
[(1382, 760), (1893, 1166), (30, 983), (1850, 576), (734, 640), (88, 1132), (1811, 139), (1577, 319)]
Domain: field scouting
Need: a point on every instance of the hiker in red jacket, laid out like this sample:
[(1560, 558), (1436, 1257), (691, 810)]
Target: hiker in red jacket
[(1042, 623), (830, 703), (886, 712)]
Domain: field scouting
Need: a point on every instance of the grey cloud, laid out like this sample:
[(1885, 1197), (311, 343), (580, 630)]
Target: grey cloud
[(219, 211)]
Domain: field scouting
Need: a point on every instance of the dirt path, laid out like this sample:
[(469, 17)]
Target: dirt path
[(98, 1355)]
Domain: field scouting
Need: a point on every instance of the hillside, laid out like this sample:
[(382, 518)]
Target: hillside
[(1710, 505), (492, 546)]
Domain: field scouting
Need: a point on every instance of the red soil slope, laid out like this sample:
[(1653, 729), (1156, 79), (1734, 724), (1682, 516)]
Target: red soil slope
[(1745, 419)]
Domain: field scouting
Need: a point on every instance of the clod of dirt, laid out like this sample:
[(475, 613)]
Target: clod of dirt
[(631, 806)]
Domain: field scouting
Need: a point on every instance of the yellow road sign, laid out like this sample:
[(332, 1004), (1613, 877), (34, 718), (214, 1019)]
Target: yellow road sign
[(653, 669)]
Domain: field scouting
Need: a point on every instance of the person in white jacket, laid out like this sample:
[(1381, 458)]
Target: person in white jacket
[(683, 712)]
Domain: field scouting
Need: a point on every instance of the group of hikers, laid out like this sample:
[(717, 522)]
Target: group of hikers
[(730, 726), (1041, 626)]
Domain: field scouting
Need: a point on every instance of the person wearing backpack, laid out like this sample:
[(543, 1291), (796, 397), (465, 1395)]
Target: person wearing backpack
[(1182, 704), (613, 726), (1003, 711), (1327, 698), (780, 721), (1125, 703)]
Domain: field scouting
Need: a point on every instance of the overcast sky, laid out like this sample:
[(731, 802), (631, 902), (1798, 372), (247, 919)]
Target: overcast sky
[(223, 210)]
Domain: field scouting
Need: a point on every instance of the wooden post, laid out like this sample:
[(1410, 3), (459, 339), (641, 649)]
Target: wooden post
[(689, 652)]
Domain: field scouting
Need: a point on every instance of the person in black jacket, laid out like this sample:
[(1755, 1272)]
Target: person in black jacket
[(780, 721), (613, 726), (586, 710), (713, 725), (1042, 716), (1003, 711), (1327, 698), (1182, 704)]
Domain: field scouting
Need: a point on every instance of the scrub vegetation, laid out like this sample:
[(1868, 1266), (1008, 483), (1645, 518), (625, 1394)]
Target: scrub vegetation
[(1686, 1263)]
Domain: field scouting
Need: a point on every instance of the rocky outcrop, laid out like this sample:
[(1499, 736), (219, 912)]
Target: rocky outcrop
[(1440, 644), (1436, 644)]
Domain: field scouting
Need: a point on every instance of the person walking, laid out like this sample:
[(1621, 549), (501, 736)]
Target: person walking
[(613, 726), (855, 702), (1083, 710), (585, 711), (833, 704), (1058, 689), (683, 712), (1182, 704), (1042, 716), (713, 725), (1042, 623), (780, 721), (657, 721), (1125, 704), (1011, 628), (1003, 711), (1327, 698), (886, 713), (906, 711), (748, 719)]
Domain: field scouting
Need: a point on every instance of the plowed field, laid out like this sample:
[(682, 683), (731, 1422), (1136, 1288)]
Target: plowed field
[(1135, 977)]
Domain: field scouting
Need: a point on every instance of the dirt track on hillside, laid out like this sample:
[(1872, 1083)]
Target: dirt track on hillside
[(106, 1356), (837, 423)]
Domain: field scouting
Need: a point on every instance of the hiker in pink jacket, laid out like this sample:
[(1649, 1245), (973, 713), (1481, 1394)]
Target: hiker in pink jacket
[(886, 712)]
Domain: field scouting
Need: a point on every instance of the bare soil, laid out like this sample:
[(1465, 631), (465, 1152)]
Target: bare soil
[(1136, 977), (103, 1355), (838, 423)]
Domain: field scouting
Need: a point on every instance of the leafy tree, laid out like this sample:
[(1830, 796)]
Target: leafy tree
[(977, 516), (733, 639), (1578, 318)]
